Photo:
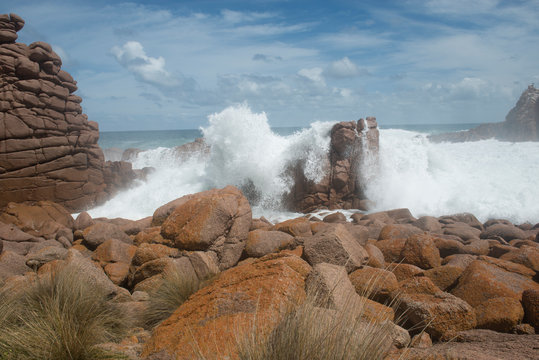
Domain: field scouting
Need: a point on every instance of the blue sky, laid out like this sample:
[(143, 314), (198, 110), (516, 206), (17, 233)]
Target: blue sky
[(169, 64)]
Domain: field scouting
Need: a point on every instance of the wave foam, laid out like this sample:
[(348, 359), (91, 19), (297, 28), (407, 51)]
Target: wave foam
[(489, 178)]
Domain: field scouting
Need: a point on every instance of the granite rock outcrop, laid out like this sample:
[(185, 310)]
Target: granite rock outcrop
[(521, 123), (48, 148), (351, 144)]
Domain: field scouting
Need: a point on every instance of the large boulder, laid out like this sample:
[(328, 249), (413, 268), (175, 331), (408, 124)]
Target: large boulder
[(499, 314), (100, 232), (211, 319), (483, 280), (262, 242), (216, 220), (426, 307), (42, 219), (421, 251), (335, 245)]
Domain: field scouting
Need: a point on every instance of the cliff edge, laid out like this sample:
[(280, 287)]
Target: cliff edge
[(48, 148), (521, 123)]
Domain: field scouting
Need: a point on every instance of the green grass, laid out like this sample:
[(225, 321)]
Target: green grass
[(58, 316), (174, 290)]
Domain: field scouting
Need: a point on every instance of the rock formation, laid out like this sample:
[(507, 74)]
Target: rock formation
[(451, 278), (521, 123), (351, 143), (48, 148)]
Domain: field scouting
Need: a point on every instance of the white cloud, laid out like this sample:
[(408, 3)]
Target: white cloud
[(235, 17), (148, 69), (343, 68), (315, 75), (467, 89), (266, 58)]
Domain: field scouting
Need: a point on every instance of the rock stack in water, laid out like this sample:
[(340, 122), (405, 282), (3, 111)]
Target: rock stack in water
[(48, 148), (521, 123), (351, 143)]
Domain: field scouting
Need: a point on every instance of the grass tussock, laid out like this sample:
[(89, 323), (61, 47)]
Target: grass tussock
[(311, 332), (174, 290), (58, 316)]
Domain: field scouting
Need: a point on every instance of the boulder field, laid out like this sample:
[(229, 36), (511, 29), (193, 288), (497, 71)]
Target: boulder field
[(445, 286), (48, 147)]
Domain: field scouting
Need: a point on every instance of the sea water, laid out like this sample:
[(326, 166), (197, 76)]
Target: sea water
[(489, 178)]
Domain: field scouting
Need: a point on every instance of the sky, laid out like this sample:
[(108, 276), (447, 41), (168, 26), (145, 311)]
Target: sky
[(157, 65)]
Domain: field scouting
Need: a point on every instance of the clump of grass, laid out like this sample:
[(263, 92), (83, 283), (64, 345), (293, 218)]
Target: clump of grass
[(174, 290), (311, 332), (56, 317)]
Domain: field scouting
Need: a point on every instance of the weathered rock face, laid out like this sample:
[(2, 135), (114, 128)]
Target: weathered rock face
[(216, 220), (48, 148), (213, 317), (521, 123), (341, 187)]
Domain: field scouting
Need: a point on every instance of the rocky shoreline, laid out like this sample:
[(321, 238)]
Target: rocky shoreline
[(436, 287), (455, 279)]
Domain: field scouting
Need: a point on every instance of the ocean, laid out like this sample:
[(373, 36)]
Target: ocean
[(489, 178)]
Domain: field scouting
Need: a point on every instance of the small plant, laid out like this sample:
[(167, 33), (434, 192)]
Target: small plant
[(313, 333), (58, 316), (174, 290)]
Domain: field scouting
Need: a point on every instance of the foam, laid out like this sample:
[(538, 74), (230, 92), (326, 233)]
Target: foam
[(490, 178)]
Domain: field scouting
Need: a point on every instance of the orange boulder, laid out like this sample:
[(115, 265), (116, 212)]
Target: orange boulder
[(210, 321), (217, 220)]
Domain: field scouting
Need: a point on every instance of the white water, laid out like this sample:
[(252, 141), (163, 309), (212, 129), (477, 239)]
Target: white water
[(490, 179), (243, 148)]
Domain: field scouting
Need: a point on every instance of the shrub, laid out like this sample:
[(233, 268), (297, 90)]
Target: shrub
[(174, 290), (58, 316), (311, 331)]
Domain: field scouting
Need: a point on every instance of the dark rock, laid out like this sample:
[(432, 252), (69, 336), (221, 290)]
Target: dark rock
[(521, 123), (340, 188)]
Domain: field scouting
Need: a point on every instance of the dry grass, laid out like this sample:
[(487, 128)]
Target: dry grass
[(310, 332), (173, 291), (59, 316)]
